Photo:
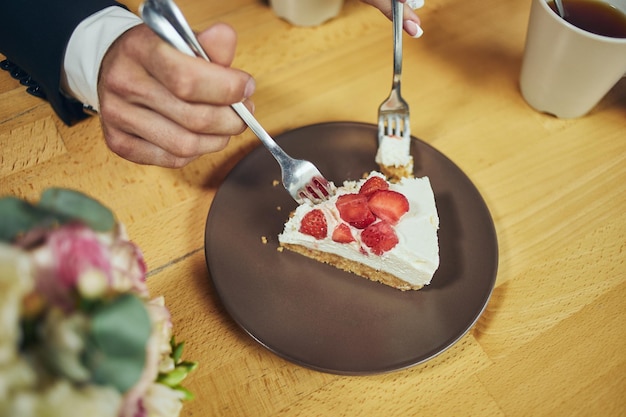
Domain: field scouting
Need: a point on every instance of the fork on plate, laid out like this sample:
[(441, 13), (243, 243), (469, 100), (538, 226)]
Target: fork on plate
[(300, 178), (393, 113)]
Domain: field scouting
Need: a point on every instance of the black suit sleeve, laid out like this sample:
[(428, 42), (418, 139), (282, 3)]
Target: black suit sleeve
[(34, 35)]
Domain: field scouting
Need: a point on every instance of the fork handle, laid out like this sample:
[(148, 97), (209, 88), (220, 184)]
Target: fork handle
[(397, 14), (254, 125)]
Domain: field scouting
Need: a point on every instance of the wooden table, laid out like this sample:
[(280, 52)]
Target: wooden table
[(552, 340)]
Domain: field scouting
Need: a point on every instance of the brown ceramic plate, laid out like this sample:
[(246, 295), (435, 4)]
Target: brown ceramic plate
[(320, 317)]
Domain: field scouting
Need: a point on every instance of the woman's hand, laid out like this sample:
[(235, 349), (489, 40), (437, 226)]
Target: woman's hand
[(411, 22)]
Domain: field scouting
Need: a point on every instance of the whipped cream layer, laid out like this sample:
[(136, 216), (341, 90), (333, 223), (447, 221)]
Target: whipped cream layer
[(394, 151), (416, 256)]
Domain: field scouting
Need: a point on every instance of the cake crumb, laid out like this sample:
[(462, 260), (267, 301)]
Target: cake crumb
[(264, 240), (280, 249), (278, 208), (275, 183)]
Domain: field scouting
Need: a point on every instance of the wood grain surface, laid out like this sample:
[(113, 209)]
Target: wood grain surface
[(552, 340)]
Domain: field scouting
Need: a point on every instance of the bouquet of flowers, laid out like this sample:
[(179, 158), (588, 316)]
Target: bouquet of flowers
[(79, 334)]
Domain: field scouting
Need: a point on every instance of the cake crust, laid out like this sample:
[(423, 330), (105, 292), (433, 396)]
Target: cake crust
[(396, 173), (356, 268)]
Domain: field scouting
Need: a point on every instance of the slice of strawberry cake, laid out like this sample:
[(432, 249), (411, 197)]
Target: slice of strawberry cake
[(382, 231)]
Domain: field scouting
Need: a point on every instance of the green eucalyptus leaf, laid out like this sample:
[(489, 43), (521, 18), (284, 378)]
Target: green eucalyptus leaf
[(19, 216), (177, 351), (188, 365), (76, 205), (187, 395), (116, 352), (173, 377)]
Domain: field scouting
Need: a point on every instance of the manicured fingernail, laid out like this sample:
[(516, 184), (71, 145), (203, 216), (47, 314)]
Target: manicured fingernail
[(250, 87), (415, 4), (413, 29)]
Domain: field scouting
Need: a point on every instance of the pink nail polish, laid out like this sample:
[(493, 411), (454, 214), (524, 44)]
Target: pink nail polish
[(250, 88), (412, 28)]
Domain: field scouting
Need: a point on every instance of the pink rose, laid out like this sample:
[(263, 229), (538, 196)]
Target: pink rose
[(68, 252), (74, 250), (128, 265)]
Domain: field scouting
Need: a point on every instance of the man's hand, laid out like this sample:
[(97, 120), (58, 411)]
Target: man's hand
[(159, 106)]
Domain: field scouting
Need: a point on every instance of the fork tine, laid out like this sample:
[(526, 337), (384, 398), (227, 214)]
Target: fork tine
[(308, 193), (407, 127), (318, 189), (402, 125), (394, 124), (323, 185)]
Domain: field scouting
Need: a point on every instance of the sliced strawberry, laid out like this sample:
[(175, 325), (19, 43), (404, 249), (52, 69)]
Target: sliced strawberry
[(314, 224), (354, 210), (379, 237), (372, 185), (388, 205), (342, 234)]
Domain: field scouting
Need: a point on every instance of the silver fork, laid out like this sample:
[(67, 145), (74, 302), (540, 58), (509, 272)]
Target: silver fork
[(393, 113), (300, 178)]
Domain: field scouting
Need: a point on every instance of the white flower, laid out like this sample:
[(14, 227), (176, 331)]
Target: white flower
[(92, 284), (61, 398), (162, 401), (15, 282), (15, 376), (65, 344)]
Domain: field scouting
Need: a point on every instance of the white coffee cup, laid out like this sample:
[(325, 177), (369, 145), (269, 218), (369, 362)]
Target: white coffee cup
[(566, 71), (306, 12)]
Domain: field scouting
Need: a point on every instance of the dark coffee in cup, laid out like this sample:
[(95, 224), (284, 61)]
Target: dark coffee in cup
[(594, 16)]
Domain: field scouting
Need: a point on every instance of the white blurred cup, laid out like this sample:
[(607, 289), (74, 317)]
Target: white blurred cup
[(566, 71), (306, 12)]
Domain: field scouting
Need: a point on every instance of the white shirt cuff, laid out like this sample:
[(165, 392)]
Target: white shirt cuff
[(89, 42)]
